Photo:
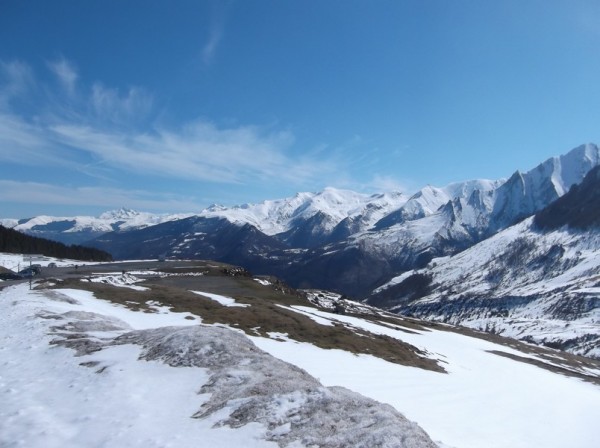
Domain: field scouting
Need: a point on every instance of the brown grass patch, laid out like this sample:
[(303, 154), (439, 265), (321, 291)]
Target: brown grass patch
[(263, 316)]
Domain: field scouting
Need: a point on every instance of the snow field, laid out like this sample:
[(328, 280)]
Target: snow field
[(223, 300), (484, 400), (107, 398), (47, 399)]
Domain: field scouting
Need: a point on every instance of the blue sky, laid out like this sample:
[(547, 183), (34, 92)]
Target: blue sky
[(172, 106)]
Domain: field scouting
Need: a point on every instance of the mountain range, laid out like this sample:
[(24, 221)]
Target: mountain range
[(392, 249), (335, 239), (538, 280)]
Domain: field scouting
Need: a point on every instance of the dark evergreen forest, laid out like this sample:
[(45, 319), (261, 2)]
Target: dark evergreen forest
[(15, 242)]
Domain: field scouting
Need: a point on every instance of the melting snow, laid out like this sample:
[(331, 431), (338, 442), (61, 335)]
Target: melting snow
[(223, 300), (125, 280), (484, 400), (239, 395)]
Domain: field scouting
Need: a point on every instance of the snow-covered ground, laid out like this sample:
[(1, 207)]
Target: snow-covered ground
[(484, 400), (48, 399), (223, 300), (161, 380), (51, 398), (124, 279)]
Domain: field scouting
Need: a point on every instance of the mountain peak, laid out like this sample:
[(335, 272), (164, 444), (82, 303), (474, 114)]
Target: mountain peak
[(122, 213)]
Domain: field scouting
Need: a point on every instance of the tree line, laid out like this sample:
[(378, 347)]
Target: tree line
[(12, 241)]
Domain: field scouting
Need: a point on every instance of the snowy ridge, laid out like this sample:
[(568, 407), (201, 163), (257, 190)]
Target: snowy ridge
[(520, 283), (278, 216), (438, 222), (570, 168), (484, 207), (429, 200), (525, 194), (479, 208), (122, 219), (360, 241), (539, 283)]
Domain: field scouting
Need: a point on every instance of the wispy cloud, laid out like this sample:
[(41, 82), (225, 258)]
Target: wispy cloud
[(216, 31), (99, 127), (386, 183), (200, 151), (86, 196), (65, 73), (210, 47), (112, 106)]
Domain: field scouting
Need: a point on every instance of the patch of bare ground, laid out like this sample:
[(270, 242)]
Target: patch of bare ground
[(262, 317)]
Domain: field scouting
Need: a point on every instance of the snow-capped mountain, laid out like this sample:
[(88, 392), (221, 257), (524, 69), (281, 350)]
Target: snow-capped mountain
[(195, 237), (79, 229), (335, 239), (538, 280), (418, 231), (310, 219), (428, 200), (525, 194)]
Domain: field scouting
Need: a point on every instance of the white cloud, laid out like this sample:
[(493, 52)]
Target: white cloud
[(386, 183), (29, 144), (200, 151), (110, 105), (100, 127), (66, 74), (98, 133)]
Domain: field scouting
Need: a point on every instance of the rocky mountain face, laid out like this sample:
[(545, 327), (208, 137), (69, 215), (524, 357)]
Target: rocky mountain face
[(577, 209), (538, 280), (442, 222)]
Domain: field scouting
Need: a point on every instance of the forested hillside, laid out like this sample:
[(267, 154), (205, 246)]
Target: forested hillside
[(12, 241)]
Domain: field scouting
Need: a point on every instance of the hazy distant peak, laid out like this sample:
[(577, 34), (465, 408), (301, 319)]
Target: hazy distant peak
[(121, 213)]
